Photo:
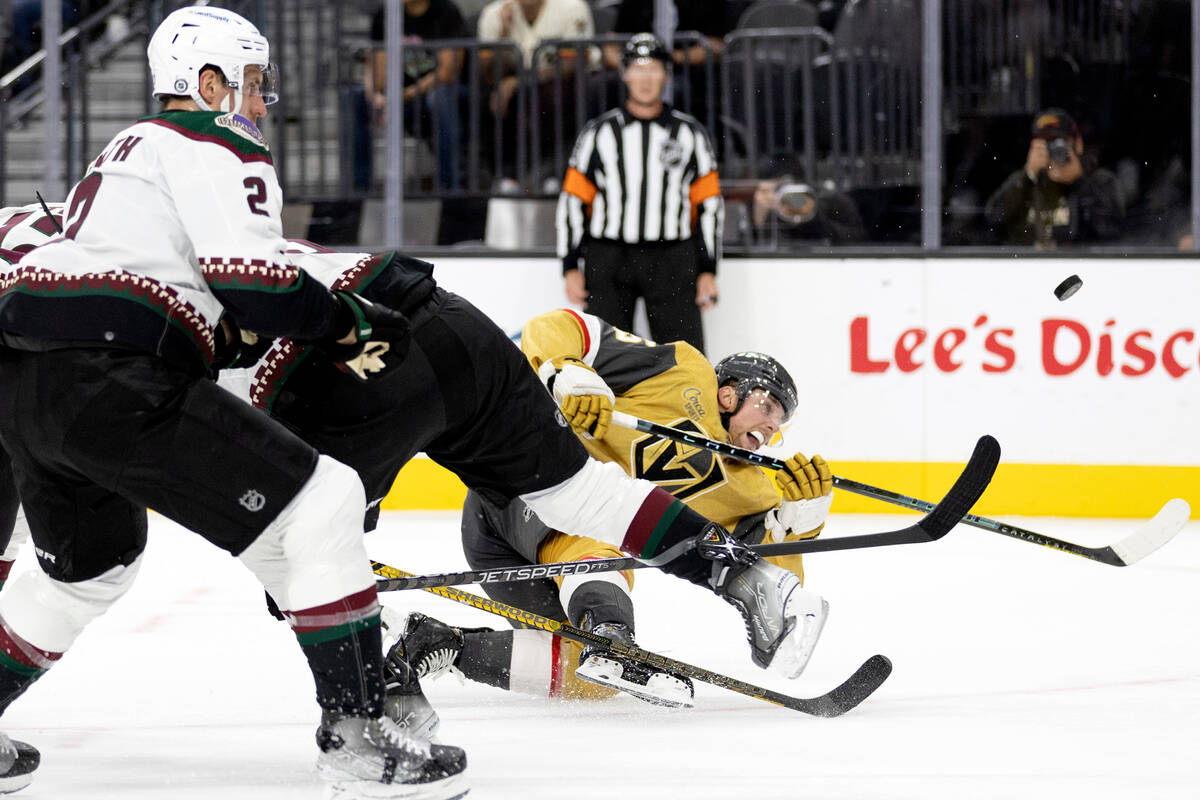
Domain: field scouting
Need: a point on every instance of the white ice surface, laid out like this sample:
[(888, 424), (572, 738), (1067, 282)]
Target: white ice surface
[(1021, 672)]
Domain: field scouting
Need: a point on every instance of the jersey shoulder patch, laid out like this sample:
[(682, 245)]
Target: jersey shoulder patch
[(235, 133)]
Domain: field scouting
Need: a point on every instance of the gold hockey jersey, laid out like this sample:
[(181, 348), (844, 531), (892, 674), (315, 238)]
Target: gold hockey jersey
[(671, 384)]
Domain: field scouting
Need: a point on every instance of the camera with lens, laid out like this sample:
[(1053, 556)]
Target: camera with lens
[(1060, 150), (796, 203)]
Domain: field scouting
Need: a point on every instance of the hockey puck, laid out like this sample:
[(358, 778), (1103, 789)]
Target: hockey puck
[(1068, 287)]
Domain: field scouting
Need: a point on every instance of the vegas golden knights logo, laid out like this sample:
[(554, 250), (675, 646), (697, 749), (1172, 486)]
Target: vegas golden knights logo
[(680, 469)]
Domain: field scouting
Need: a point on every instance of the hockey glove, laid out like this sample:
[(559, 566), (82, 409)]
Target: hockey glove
[(376, 329), (584, 397), (227, 344), (807, 487), (800, 519), (237, 348), (804, 479)]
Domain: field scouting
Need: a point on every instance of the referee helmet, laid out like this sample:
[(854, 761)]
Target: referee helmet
[(645, 47)]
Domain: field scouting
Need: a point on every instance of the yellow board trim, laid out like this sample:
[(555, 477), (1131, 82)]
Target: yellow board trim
[(1036, 490), (425, 485)]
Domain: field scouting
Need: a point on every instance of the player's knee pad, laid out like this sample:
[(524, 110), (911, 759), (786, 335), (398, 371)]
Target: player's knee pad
[(313, 552), (599, 501), (50, 614)]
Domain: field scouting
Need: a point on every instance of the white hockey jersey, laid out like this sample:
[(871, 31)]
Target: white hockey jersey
[(175, 221), (27, 227)]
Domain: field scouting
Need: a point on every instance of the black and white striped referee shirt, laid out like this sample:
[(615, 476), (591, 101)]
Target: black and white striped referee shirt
[(633, 181)]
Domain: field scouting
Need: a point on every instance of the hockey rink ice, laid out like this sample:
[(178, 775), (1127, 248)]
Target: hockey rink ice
[(1019, 672)]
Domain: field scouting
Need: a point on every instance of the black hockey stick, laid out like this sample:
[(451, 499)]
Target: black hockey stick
[(858, 687), (46, 208), (934, 525), (1150, 536)]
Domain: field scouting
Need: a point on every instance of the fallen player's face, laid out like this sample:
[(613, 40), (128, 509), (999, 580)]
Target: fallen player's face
[(757, 421)]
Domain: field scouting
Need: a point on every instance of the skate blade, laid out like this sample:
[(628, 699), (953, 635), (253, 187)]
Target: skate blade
[(15, 783), (341, 787), (668, 691), (795, 651)]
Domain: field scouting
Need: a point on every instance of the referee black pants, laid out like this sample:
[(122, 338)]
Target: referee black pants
[(662, 273)]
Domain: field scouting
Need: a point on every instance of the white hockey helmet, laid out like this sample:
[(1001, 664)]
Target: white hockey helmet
[(195, 36)]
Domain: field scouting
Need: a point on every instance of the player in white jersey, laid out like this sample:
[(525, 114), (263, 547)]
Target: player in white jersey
[(464, 395), (106, 339)]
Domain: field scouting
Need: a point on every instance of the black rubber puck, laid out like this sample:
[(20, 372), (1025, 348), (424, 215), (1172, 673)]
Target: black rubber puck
[(1068, 287)]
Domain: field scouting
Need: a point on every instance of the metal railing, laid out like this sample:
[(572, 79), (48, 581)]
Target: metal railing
[(82, 48), (842, 107), (778, 89), (22, 90), (564, 97), (997, 49)]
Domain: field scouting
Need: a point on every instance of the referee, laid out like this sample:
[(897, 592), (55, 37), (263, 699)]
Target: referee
[(640, 210)]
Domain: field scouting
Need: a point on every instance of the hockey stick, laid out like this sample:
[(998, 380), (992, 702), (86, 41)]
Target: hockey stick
[(934, 525), (1150, 536), (841, 699)]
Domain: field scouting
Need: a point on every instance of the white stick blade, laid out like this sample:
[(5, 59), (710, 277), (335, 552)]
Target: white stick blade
[(1156, 532)]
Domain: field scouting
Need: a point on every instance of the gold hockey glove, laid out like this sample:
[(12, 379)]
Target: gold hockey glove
[(585, 399), (804, 479)]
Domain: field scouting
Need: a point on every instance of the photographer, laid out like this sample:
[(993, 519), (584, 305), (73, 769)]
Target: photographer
[(786, 211), (1059, 197)]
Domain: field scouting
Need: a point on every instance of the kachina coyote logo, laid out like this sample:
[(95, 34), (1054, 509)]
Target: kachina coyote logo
[(242, 127), (682, 470)]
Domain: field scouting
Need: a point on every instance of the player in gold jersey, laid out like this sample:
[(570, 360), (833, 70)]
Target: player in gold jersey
[(592, 368)]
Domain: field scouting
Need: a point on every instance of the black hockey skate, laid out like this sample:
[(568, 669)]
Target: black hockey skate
[(607, 668), (363, 757), (783, 620), (431, 646), (17, 763)]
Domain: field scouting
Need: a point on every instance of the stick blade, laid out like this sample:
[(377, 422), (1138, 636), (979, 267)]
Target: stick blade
[(858, 687), (1157, 531), (966, 491)]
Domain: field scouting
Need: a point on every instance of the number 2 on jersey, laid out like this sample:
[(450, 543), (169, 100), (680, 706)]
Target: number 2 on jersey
[(81, 203), (257, 196)]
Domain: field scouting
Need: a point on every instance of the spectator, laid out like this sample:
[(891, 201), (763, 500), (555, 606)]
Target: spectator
[(528, 23), (432, 92), (1058, 197), (786, 211), (712, 18), (644, 219)]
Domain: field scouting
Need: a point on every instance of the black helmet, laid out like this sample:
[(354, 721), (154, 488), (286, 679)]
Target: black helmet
[(749, 371), (645, 45)]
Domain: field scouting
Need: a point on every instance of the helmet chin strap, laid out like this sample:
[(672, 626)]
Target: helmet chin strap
[(228, 104), (741, 399), (233, 101), (728, 415)]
